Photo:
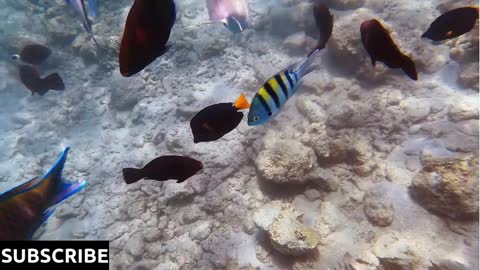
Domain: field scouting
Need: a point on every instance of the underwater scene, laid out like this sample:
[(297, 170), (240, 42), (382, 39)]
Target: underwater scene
[(235, 134)]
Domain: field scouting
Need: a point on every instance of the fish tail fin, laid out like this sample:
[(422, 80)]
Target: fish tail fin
[(132, 175), (304, 66), (56, 171), (242, 103), (65, 189), (54, 81), (408, 66)]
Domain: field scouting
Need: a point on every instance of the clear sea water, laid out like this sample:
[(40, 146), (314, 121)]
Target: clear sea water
[(111, 122)]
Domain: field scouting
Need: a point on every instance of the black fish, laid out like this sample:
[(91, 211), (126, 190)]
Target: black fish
[(214, 121), (381, 47), (34, 54), (146, 34), (164, 168), (452, 24), (30, 77), (324, 21)]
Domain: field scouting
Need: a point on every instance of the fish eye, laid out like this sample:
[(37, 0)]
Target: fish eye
[(256, 118)]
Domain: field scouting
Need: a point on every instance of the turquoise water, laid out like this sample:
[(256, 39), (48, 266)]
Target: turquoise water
[(351, 130)]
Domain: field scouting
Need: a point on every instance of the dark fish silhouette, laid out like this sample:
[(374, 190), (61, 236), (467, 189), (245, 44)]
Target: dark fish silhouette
[(30, 77), (23, 209), (452, 24), (34, 54), (146, 34), (324, 21), (164, 168), (380, 46), (213, 122)]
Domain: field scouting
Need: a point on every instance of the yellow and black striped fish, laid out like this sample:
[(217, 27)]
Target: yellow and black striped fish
[(274, 93)]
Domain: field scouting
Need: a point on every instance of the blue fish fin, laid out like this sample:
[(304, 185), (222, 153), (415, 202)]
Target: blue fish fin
[(56, 171), (302, 68), (46, 215), (68, 189), (92, 5)]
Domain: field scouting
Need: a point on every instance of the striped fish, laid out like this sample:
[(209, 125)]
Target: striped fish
[(271, 97)]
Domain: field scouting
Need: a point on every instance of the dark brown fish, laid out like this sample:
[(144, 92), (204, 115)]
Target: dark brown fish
[(146, 34), (380, 46), (452, 24), (164, 168), (34, 54), (324, 21), (214, 121), (30, 77)]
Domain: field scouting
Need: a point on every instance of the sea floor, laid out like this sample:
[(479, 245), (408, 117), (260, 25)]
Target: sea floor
[(360, 151)]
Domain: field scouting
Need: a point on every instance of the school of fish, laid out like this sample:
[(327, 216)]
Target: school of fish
[(146, 35)]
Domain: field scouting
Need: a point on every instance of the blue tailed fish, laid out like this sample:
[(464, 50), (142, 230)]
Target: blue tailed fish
[(25, 208), (270, 98), (79, 6)]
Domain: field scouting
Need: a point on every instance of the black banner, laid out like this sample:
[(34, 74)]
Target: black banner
[(54, 254)]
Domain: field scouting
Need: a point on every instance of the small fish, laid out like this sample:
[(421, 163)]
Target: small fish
[(232, 13), (30, 77), (214, 121), (164, 168), (271, 97), (92, 5), (452, 24), (25, 208), (79, 6), (380, 46), (34, 54), (324, 21), (146, 33)]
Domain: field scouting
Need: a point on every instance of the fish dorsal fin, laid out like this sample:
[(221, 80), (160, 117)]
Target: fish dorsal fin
[(242, 103)]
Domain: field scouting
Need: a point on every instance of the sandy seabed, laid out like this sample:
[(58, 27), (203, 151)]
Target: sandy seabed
[(363, 168)]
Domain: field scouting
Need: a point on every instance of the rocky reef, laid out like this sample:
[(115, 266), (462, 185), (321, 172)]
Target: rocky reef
[(362, 169)]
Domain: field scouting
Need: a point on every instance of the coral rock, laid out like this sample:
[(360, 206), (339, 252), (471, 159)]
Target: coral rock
[(469, 76), (284, 161), (287, 234), (448, 186), (316, 137), (378, 208)]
